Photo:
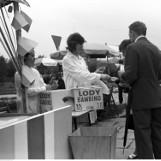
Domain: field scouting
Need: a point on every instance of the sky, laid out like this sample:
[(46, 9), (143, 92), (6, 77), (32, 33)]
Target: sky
[(98, 21)]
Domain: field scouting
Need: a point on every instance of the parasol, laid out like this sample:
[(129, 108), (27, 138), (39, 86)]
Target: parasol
[(129, 123), (91, 49), (58, 54), (47, 62), (96, 49)]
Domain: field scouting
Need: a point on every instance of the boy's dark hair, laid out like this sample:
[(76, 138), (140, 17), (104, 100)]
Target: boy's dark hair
[(138, 27), (46, 78), (73, 40)]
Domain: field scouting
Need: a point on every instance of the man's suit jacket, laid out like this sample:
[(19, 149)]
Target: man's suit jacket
[(143, 71)]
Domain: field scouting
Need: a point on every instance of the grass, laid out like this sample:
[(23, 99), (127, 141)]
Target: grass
[(117, 110)]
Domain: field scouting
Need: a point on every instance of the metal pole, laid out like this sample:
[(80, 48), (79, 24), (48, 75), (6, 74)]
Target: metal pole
[(18, 35)]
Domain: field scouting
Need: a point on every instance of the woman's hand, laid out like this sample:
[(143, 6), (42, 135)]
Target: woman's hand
[(48, 87), (105, 77)]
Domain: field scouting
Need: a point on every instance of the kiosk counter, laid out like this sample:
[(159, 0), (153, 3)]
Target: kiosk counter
[(80, 98), (41, 136)]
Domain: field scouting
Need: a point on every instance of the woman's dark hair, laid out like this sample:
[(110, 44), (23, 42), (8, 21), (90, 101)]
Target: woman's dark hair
[(138, 27), (124, 44), (73, 40), (27, 54)]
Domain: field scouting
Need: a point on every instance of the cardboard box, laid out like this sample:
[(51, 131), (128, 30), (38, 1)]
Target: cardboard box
[(94, 142), (88, 98)]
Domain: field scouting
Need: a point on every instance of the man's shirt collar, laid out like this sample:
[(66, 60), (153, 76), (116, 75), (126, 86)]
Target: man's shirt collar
[(139, 37)]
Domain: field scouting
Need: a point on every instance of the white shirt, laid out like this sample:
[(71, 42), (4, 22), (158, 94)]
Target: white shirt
[(32, 91), (76, 73)]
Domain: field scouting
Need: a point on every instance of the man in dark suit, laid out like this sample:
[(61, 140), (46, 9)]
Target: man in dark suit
[(143, 71)]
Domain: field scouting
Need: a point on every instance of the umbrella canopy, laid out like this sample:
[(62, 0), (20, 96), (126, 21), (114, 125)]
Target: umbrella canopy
[(58, 54), (114, 50), (46, 62), (96, 50), (93, 48)]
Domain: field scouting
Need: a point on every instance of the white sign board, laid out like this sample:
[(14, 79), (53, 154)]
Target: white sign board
[(88, 98)]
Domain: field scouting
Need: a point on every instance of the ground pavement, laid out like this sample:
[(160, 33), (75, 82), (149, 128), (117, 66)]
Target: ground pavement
[(119, 122)]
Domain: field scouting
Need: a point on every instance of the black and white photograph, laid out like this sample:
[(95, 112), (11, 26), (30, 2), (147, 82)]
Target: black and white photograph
[(80, 79)]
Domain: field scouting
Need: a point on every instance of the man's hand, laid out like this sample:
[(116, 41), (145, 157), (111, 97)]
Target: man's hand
[(114, 79), (120, 73)]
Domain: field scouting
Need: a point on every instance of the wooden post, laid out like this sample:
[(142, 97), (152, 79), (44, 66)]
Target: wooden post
[(108, 69), (18, 35)]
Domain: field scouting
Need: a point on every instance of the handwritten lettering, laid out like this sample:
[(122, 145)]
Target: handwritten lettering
[(45, 95), (89, 92), (89, 99), (45, 102)]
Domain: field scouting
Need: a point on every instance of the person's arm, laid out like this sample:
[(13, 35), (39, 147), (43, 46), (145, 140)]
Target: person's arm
[(32, 90), (82, 75), (37, 87), (104, 87)]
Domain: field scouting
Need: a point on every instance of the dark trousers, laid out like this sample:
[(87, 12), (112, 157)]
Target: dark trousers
[(148, 133), (120, 91)]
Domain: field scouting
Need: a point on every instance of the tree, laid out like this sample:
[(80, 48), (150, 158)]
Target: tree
[(10, 69), (3, 69)]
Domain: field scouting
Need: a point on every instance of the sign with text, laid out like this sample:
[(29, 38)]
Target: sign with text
[(88, 98), (45, 102), (54, 99)]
